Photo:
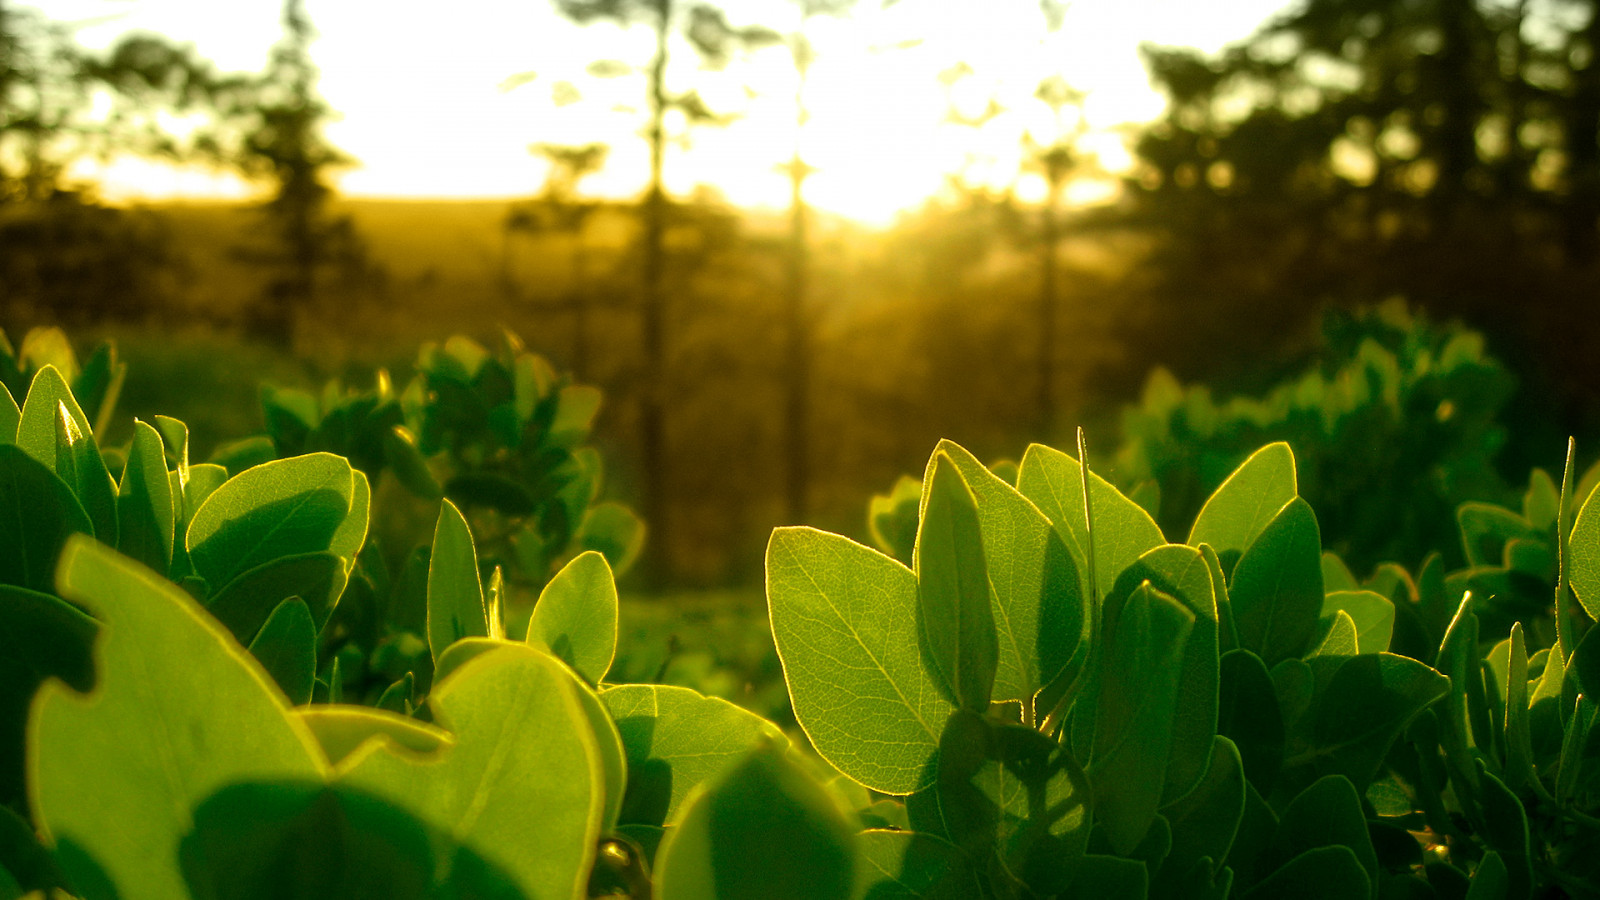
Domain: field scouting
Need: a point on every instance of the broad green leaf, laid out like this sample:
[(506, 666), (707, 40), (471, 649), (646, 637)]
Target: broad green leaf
[(342, 729), (307, 841), (179, 711), (1205, 821), (1247, 856), (286, 647), (608, 744), (285, 507), (10, 416), (455, 591), (892, 519), (1181, 573), (1123, 530), (79, 464), (1371, 613), (1276, 590), (1242, 507), (1576, 736), (1366, 705), (41, 637), (955, 609), (1490, 881), (1325, 873), (1138, 697), (676, 739), (576, 616), (244, 604), (1339, 640), (1583, 567), (1041, 807), (764, 830), (1039, 609), (1326, 814), (145, 516), (36, 430), (1505, 830), (575, 411), (1249, 716), (1585, 661), (844, 622), (1336, 576), (38, 513), (1458, 661), (614, 530), (352, 532), (907, 865), (1111, 878), (1486, 529), (522, 786)]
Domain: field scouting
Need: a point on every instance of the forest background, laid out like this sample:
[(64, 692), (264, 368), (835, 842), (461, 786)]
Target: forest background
[(779, 366)]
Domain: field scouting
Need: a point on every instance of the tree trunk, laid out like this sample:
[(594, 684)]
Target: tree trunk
[(652, 419)]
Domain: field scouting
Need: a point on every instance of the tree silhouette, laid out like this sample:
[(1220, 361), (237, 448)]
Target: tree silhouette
[(561, 210), (707, 29), (283, 143), (1447, 151)]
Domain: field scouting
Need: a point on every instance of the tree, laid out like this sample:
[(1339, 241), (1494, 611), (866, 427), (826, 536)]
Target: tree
[(283, 143), (560, 209), (1447, 151), (707, 30)]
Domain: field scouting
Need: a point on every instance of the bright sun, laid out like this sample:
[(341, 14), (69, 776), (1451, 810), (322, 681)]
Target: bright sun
[(422, 106)]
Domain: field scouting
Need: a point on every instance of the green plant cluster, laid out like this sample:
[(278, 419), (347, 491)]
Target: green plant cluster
[(1050, 700), (1395, 428)]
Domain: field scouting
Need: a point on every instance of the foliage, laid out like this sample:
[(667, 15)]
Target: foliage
[(1393, 429), (1049, 700)]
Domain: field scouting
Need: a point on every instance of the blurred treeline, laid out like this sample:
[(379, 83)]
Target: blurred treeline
[(766, 368)]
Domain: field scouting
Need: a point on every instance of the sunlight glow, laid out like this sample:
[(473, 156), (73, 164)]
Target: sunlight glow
[(422, 107)]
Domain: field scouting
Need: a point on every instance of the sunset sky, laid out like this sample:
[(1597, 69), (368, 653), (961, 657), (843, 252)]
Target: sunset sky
[(421, 91)]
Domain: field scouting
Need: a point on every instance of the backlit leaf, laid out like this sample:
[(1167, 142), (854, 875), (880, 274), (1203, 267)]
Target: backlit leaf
[(1241, 508), (576, 616)]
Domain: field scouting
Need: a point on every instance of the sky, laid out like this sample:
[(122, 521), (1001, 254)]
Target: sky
[(426, 103)]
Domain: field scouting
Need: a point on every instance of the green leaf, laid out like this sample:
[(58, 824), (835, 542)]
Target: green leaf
[(576, 408), (1245, 504), (892, 519), (764, 830), (955, 612), (38, 513), (1276, 591), (1339, 641), (844, 622), (1204, 822), (1249, 716), (1123, 530), (352, 532), (1138, 697), (342, 729), (1519, 742), (1490, 881), (1505, 830), (10, 416), (614, 530), (455, 591), (287, 648), (1576, 735), (305, 841), (180, 710), (146, 518), (36, 430), (285, 507), (1366, 705), (1181, 573), (613, 756), (41, 637), (1111, 878), (1040, 803), (244, 604), (523, 785), (1326, 873), (1486, 529), (576, 616), (1248, 854), (1371, 613), (1326, 814), (1039, 610), (676, 739), (1584, 565), (79, 464), (907, 865), (1336, 576), (409, 465)]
